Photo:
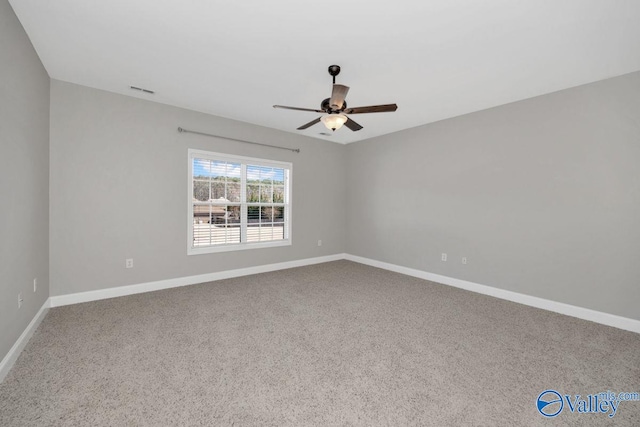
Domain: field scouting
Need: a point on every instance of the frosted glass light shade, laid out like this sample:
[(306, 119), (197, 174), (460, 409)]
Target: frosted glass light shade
[(334, 121)]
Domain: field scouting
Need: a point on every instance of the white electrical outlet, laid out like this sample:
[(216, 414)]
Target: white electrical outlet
[(20, 300), (464, 259), (444, 256), (319, 242), (128, 263), (35, 284)]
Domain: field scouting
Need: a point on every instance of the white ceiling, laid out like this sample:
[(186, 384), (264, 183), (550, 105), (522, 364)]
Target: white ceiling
[(435, 59)]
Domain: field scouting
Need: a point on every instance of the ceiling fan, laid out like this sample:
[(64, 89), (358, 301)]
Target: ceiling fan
[(336, 107)]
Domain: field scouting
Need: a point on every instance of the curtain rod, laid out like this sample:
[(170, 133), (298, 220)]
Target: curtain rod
[(182, 130)]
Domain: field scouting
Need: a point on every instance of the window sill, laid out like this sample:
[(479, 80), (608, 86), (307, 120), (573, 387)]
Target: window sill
[(236, 247)]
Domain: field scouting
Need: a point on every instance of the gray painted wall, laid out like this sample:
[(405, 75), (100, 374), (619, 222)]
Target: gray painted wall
[(24, 179), (542, 196), (119, 190)]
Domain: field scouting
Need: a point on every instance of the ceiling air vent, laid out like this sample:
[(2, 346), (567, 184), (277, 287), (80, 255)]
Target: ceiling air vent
[(142, 90)]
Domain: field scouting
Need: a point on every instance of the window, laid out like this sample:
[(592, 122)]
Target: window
[(237, 203)]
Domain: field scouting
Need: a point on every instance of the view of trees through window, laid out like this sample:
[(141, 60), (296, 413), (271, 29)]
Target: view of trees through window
[(221, 215)]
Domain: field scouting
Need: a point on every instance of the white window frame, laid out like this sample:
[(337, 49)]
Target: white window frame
[(244, 161)]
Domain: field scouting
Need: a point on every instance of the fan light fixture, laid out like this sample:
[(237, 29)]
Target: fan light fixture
[(334, 121)]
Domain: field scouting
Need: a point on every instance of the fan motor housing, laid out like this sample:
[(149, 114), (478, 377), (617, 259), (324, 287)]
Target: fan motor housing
[(326, 106)]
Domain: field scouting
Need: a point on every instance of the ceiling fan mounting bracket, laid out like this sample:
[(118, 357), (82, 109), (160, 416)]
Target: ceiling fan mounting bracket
[(334, 70)]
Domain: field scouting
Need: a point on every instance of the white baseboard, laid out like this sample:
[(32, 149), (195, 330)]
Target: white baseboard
[(20, 344), (545, 304), (57, 301)]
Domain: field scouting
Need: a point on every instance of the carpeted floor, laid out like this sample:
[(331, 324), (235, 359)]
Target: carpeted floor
[(331, 344)]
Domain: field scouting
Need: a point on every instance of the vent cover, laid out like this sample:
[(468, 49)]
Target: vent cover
[(142, 90)]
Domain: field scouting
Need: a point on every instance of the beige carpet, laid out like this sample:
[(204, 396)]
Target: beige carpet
[(332, 344)]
